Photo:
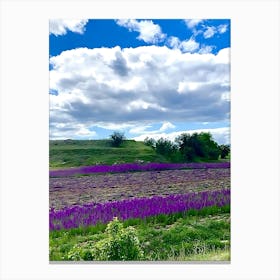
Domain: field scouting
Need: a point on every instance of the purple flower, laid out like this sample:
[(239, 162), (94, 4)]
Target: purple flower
[(127, 167), (93, 213)]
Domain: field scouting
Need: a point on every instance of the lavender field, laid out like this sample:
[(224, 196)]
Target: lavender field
[(100, 188), (128, 167), (85, 197), (94, 213)]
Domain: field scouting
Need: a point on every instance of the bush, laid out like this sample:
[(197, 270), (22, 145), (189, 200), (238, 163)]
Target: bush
[(121, 244), (150, 142), (165, 147), (225, 150), (117, 138), (198, 146)]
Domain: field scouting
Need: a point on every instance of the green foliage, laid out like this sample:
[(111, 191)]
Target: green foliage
[(89, 152), (198, 145), (72, 153), (224, 150), (75, 254), (150, 142), (194, 235), (117, 138), (118, 244), (121, 244), (165, 147)]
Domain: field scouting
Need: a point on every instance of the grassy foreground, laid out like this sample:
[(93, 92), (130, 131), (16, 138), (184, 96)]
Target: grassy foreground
[(196, 236)]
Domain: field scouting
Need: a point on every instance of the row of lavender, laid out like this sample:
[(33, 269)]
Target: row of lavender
[(126, 167), (93, 213)]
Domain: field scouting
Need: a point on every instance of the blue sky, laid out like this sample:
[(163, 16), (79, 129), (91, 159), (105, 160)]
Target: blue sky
[(144, 77)]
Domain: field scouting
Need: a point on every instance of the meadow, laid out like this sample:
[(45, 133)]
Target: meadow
[(178, 211)]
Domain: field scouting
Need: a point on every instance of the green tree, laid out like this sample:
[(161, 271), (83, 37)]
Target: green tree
[(224, 150), (151, 142), (210, 147), (165, 147), (185, 144), (117, 138), (198, 145)]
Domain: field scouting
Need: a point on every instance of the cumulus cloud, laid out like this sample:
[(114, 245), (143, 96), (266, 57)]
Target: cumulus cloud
[(189, 45), (212, 30), (222, 28), (209, 32), (145, 130), (73, 130), (204, 49), (204, 29), (114, 87), (220, 135), (148, 31), (166, 125), (61, 26), (192, 23)]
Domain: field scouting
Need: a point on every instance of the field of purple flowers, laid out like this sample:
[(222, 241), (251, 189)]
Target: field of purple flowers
[(104, 187), (134, 191), (158, 199), (128, 167), (93, 213)]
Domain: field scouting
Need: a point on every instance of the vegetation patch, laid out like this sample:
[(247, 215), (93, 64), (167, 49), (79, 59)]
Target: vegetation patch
[(174, 238)]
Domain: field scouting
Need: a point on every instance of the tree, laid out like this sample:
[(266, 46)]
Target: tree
[(186, 147), (224, 150), (211, 148), (117, 138), (151, 142), (165, 147), (198, 145)]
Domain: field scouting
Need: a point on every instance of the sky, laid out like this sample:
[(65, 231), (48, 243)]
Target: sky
[(150, 78)]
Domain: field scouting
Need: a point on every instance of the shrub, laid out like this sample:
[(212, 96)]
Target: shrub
[(117, 138), (225, 150), (165, 147), (150, 142), (121, 244), (75, 254)]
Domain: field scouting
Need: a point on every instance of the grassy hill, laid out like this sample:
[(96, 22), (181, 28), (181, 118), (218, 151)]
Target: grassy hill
[(70, 153)]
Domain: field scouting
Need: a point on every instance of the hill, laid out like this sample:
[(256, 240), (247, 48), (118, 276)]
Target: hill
[(72, 153)]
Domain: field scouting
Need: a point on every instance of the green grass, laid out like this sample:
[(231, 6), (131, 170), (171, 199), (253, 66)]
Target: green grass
[(197, 236), (73, 153)]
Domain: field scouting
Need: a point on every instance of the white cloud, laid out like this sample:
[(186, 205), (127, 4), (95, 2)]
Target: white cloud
[(209, 32), (141, 129), (222, 28), (73, 130), (149, 32), (61, 26), (114, 126), (166, 125), (146, 129), (174, 42), (220, 135), (189, 45), (206, 49), (212, 30), (185, 46), (192, 23), (114, 88)]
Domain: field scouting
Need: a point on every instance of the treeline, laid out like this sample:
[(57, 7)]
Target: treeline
[(189, 147)]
